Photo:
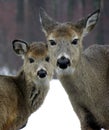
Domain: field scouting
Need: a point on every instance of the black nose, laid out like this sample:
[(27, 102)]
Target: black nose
[(63, 62), (42, 73)]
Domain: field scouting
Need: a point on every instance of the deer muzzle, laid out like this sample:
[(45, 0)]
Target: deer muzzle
[(63, 62), (42, 73)]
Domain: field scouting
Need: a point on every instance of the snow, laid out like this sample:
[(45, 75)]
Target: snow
[(5, 71), (56, 112)]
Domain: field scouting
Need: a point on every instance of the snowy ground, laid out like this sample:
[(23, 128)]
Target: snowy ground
[(56, 113)]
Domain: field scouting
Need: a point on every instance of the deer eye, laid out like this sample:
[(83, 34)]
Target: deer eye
[(75, 42), (31, 60), (52, 42), (47, 58)]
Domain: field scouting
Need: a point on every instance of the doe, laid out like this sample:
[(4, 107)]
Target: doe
[(24, 93), (83, 74)]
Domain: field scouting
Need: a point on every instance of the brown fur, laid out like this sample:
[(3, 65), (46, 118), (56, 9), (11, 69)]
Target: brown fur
[(65, 30), (24, 93), (38, 51), (86, 79)]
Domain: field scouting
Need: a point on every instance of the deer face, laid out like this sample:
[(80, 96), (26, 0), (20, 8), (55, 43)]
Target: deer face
[(65, 40), (37, 65), (65, 44)]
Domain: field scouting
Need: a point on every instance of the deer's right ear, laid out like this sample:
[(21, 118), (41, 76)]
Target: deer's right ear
[(20, 47), (47, 22)]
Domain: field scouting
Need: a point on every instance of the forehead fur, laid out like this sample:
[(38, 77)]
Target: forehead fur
[(65, 30), (37, 49)]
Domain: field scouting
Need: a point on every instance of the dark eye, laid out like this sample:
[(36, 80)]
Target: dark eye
[(52, 42), (31, 60), (75, 42), (47, 59)]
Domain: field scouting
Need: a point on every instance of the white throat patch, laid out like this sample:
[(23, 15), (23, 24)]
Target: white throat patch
[(68, 71)]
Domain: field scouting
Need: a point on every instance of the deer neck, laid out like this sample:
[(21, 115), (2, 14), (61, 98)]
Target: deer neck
[(34, 93), (21, 82)]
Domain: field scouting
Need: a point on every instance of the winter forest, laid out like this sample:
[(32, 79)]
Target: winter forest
[(19, 19)]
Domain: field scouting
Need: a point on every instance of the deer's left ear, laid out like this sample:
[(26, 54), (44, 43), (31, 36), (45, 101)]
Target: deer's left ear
[(88, 23), (20, 47)]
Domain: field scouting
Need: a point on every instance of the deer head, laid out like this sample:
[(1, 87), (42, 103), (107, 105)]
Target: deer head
[(36, 64), (65, 39)]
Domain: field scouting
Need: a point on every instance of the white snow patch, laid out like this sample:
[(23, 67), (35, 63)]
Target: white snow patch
[(5, 71)]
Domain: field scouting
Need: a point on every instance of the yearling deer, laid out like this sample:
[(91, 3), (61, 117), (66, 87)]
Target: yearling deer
[(23, 94), (83, 74)]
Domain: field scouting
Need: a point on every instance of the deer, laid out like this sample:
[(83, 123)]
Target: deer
[(23, 93), (84, 73)]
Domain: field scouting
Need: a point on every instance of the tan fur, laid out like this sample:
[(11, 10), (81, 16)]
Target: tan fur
[(86, 77), (24, 93), (65, 30)]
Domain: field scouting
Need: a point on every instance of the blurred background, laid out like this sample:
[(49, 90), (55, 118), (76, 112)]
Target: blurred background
[(19, 19)]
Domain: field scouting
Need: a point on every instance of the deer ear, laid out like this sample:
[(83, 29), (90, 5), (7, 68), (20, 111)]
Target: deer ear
[(88, 23), (20, 47), (47, 22)]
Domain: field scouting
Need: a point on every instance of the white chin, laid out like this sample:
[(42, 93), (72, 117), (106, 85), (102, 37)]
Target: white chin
[(67, 71)]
